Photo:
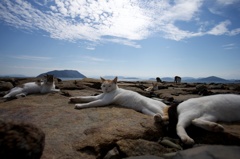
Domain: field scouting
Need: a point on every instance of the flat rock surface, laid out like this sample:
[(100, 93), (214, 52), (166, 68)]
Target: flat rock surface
[(92, 132)]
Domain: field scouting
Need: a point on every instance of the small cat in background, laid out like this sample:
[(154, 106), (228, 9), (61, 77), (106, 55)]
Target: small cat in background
[(204, 112), (126, 98), (152, 88), (45, 86)]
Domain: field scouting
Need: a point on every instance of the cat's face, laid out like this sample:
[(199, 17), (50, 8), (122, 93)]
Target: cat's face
[(48, 79), (108, 85)]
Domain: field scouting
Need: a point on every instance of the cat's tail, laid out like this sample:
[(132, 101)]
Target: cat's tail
[(14, 92)]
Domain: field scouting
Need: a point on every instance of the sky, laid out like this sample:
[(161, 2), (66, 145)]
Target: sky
[(131, 38)]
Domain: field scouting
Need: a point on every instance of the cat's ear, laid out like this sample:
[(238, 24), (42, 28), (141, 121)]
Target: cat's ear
[(102, 79), (115, 80)]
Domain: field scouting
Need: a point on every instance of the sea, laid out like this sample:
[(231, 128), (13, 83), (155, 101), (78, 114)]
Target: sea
[(152, 79), (119, 79)]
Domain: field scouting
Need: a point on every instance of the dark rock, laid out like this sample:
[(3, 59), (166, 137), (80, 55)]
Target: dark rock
[(217, 86), (145, 157), (5, 86), (210, 152), (139, 147), (20, 140)]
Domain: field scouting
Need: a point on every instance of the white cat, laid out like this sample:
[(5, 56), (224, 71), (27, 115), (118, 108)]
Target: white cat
[(152, 88), (33, 87), (205, 111), (126, 98)]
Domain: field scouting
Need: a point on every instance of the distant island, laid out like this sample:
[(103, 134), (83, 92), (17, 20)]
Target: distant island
[(64, 74), (210, 79)]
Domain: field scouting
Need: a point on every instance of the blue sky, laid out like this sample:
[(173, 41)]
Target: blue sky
[(137, 38)]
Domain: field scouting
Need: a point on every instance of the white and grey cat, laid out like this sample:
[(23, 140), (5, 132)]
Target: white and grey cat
[(112, 94), (152, 88), (33, 87), (205, 111)]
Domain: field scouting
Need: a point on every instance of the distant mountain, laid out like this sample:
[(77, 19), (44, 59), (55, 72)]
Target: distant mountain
[(212, 79), (64, 74), (14, 75)]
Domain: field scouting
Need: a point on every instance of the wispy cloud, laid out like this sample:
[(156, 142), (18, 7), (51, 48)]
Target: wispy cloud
[(230, 46), (118, 21), (226, 2), (35, 58), (94, 59)]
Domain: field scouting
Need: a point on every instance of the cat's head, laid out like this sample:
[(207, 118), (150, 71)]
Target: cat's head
[(108, 85), (48, 79)]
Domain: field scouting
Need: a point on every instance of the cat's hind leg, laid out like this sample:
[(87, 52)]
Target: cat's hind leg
[(184, 122), (208, 123)]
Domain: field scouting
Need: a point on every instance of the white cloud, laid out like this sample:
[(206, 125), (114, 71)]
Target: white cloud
[(220, 29), (226, 2), (229, 46), (117, 21), (90, 58), (35, 58)]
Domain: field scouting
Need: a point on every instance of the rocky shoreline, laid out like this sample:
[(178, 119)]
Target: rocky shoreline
[(120, 132)]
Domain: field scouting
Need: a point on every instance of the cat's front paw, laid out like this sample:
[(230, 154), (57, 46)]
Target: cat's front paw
[(78, 106), (158, 118), (187, 140), (216, 127)]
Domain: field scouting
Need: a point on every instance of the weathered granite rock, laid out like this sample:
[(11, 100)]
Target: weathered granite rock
[(138, 147), (92, 132), (71, 133)]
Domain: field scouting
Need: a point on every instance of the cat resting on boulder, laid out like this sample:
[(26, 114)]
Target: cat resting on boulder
[(33, 87), (126, 98), (204, 112)]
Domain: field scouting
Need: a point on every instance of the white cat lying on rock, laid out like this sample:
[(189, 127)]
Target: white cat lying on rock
[(126, 98), (33, 87), (204, 112)]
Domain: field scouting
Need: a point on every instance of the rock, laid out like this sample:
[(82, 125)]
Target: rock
[(93, 132), (5, 86), (209, 152), (145, 157), (85, 133), (139, 147), (112, 127), (158, 79), (21, 140), (71, 85)]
